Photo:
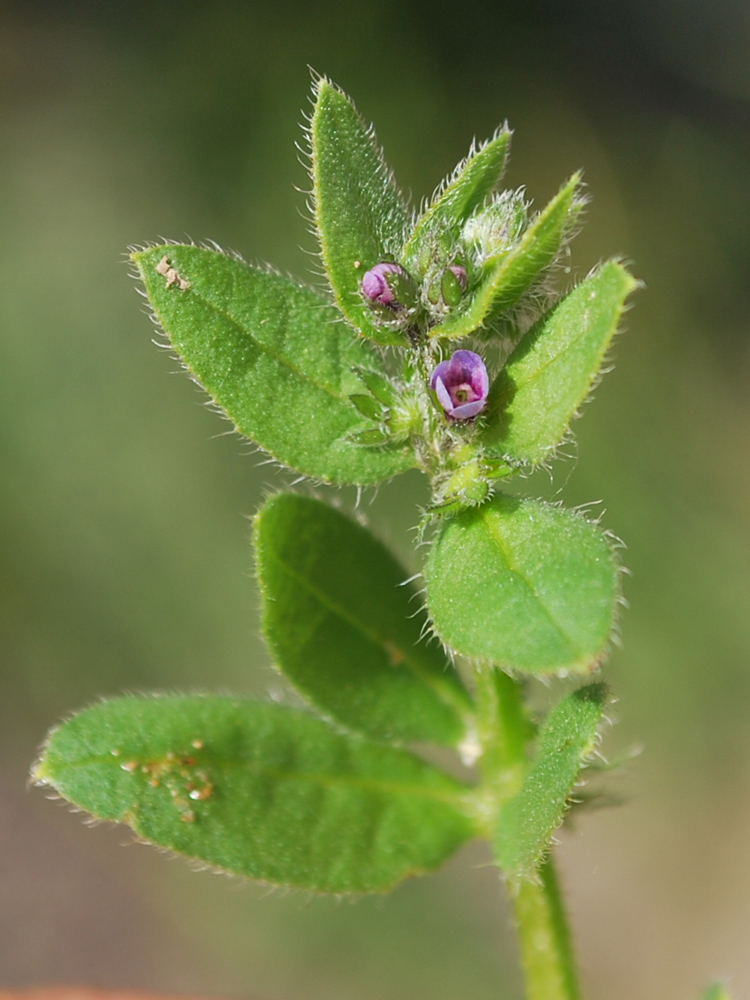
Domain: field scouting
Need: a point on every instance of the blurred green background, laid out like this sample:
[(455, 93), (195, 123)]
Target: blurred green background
[(126, 562)]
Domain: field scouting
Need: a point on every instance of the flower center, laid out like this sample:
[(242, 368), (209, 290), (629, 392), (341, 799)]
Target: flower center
[(463, 393)]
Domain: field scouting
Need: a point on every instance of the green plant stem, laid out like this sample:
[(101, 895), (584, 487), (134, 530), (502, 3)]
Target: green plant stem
[(546, 947), (544, 938), (504, 732)]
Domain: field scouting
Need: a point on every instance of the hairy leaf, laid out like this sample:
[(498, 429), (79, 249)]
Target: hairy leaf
[(259, 790), (360, 215), (473, 181), (524, 584), (506, 277), (346, 631), (534, 398), (528, 821), (274, 355)]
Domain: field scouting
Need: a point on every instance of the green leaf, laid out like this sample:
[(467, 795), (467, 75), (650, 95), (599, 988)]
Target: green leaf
[(508, 276), (259, 790), (368, 406), (524, 584), (472, 183), (274, 355), (529, 819), (378, 385), (371, 437), (536, 395), (346, 631), (359, 212)]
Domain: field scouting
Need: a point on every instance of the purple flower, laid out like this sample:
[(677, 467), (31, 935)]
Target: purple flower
[(462, 385), (375, 286)]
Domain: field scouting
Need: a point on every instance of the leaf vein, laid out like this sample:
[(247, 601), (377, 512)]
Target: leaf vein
[(514, 569), (457, 797), (388, 645), (281, 358)]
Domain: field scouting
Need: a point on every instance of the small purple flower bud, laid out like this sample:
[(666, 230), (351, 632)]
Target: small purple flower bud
[(375, 286), (460, 275), (462, 385)]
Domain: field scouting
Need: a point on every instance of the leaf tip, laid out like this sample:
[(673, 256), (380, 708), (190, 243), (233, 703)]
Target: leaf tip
[(39, 775), (596, 693), (325, 90)]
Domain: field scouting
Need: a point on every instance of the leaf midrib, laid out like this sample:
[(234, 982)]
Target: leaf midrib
[(281, 358), (537, 373), (510, 562), (525, 804), (457, 798), (425, 676)]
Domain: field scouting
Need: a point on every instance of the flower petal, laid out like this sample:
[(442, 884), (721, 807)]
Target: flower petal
[(467, 410), (442, 394), (441, 372)]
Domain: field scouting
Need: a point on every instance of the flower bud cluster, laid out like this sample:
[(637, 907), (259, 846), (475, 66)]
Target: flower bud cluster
[(389, 288), (434, 279)]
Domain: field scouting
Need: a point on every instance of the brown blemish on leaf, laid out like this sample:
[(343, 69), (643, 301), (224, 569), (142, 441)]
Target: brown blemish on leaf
[(199, 794), (173, 771), (173, 277), (395, 655)]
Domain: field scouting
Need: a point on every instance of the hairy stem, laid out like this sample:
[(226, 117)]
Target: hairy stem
[(546, 948), (504, 732), (544, 937)]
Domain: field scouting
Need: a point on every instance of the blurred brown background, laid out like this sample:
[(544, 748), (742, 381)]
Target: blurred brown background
[(125, 553)]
